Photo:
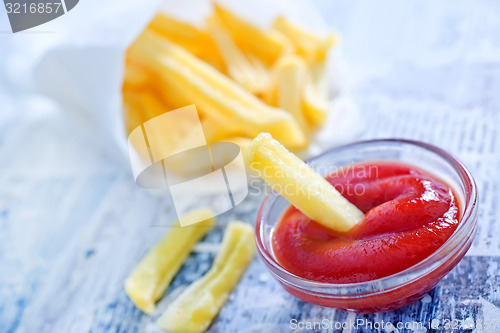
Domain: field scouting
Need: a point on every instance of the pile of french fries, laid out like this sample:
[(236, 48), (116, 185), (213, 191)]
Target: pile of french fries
[(243, 79)]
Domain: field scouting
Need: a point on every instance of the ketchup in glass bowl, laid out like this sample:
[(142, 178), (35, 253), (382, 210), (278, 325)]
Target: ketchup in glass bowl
[(420, 206)]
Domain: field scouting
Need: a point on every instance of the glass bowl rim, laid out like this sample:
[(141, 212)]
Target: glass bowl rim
[(467, 223)]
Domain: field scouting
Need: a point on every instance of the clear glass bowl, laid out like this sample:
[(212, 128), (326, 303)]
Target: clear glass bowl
[(399, 289)]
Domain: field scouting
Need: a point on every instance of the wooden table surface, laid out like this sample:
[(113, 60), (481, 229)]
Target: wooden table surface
[(73, 223)]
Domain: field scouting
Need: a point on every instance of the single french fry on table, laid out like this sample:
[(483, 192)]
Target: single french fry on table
[(153, 274), (301, 185), (215, 95), (194, 309)]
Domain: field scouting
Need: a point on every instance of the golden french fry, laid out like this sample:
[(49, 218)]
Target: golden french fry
[(267, 45), (179, 131), (262, 74), (151, 277), (151, 104), (132, 110), (191, 38), (133, 116), (242, 142), (238, 66), (198, 161), (301, 185), (176, 30), (215, 132), (216, 96), (315, 98), (309, 45), (291, 74), (270, 96), (140, 105), (194, 310), (135, 75)]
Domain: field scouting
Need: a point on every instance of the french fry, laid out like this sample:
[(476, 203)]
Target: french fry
[(153, 274), (194, 310), (135, 76), (216, 132), (291, 74), (267, 45), (132, 111), (198, 162), (238, 66), (191, 38), (262, 74), (150, 104), (309, 45), (315, 98), (141, 105), (242, 142), (217, 97), (177, 31), (300, 185), (270, 96)]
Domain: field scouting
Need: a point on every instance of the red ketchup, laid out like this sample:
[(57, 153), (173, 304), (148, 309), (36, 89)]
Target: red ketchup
[(409, 214)]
